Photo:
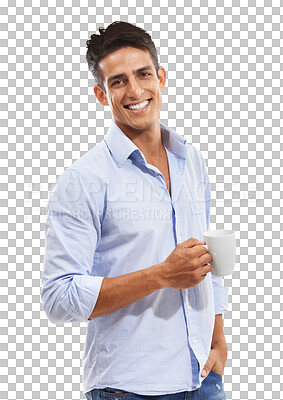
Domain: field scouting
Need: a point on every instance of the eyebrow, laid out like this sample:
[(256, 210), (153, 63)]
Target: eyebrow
[(113, 77)]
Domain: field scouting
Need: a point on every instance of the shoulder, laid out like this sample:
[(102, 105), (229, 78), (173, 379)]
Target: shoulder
[(93, 164), (87, 178), (193, 152), (179, 145), (94, 167), (195, 156)]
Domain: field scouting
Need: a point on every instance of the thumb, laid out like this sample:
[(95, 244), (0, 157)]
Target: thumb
[(207, 368)]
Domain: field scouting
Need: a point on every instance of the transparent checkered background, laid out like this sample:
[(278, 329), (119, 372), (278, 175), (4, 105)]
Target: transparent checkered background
[(223, 93)]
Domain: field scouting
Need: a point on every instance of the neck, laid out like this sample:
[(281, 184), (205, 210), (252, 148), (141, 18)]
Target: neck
[(151, 146), (148, 140)]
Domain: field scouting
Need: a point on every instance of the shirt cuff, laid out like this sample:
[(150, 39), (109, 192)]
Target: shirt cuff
[(81, 296), (220, 299)]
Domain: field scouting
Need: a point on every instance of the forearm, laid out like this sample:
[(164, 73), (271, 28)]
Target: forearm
[(218, 336), (183, 268), (116, 293)]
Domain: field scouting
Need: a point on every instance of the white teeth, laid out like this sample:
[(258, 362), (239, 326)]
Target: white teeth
[(138, 106)]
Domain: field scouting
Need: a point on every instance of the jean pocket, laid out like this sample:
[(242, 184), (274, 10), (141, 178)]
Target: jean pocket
[(108, 391), (216, 373)]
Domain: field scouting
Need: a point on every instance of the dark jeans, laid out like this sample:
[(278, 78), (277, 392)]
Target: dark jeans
[(211, 389)]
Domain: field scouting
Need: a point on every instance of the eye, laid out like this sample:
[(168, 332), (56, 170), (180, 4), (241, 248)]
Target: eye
[(145, 73), (117, 82)]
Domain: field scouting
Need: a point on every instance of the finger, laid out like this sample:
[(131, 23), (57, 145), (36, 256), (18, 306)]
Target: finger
[(204, 273), (197, 251), (205, 269), (205, 258), (200, 250), (192, 242)]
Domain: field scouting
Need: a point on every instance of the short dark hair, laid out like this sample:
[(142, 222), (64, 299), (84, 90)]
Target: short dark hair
[(117, 35)]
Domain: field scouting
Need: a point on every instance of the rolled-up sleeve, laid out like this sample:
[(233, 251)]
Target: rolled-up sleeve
[(70, 286), (220, 295), (220, 291)]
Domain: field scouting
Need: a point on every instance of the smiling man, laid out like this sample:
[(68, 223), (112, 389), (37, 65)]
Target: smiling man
[(124, 241), (134, 95)]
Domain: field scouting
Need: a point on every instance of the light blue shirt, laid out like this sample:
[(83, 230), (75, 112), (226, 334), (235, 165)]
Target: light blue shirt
[(110, 214)]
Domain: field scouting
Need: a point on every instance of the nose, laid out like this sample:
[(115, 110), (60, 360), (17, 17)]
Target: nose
[(134, 90)]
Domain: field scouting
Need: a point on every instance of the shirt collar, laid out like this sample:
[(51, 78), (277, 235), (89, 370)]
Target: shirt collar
[(175, 143), (122, 147)]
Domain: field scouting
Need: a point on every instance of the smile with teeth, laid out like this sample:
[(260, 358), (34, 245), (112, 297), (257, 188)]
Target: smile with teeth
[(138, 106)]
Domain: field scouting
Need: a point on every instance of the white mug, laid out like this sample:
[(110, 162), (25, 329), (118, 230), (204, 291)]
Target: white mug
[(221, 244)]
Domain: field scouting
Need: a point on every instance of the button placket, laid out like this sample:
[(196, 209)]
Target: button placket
[(177, 225)]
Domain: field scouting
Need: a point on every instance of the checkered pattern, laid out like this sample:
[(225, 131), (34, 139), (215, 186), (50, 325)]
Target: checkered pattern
[(223, 93)]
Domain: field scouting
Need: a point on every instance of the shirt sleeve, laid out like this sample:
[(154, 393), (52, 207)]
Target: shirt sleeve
[(220, 291), (70, 284)]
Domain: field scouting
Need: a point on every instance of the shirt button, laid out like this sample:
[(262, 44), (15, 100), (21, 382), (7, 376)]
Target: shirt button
[(189, 308), (194, 341)]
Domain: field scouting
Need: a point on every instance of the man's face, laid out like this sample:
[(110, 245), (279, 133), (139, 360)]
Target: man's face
[(133, 89)]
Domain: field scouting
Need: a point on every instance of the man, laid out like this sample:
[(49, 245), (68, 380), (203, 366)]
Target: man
[(124, 247)]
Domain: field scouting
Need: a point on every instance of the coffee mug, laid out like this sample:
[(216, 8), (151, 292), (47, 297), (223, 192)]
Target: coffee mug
[(221, 244)]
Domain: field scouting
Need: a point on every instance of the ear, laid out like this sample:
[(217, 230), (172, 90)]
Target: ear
[(162, 77), (100, 95)]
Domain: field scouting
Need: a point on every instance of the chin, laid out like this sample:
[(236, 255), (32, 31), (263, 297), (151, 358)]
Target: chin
[(142, 126)]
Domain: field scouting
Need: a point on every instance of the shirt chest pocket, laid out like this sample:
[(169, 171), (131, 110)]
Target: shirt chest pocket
[(198, 220), (197, 207)]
